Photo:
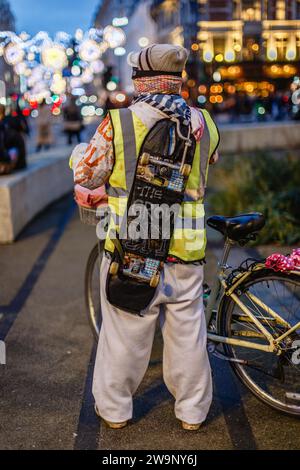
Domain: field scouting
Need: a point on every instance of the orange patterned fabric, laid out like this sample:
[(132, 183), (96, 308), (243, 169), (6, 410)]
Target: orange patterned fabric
[(96, 166), (158, 84)]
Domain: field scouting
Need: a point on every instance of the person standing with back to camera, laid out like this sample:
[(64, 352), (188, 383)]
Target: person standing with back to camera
[(44, 127), (126, 340)]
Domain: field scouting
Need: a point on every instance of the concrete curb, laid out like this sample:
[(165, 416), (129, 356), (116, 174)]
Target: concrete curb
[(24, 194)]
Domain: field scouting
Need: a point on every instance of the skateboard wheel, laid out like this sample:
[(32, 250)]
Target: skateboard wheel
[(114, 268), (154, 281), (145, 159), (186, 170)]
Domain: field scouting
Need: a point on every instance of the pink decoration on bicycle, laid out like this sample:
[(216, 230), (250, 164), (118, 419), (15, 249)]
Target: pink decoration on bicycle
[(295, 256), (279, 262)]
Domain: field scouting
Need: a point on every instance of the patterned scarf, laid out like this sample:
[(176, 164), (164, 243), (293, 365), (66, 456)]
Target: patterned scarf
[(162, 93), (158, 84)]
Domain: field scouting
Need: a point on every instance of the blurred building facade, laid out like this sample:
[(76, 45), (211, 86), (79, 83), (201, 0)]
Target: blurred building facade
[(232, 27), (246, 46), (176, 20), (134, 17), (249, 30), (7, 23), (109, 9)]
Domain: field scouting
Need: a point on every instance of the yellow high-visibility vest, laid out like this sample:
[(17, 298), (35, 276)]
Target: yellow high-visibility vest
[(188, 242)]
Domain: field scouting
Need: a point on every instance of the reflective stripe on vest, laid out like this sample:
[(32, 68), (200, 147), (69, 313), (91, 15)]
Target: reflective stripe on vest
[(189, 238)]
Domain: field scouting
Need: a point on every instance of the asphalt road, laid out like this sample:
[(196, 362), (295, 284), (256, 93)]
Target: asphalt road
[(45, 397)]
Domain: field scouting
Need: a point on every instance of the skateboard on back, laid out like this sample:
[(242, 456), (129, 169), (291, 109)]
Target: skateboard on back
[(163, 167)]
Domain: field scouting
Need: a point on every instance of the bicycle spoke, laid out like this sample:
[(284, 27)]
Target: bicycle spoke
[(261, 315), (273, 378)]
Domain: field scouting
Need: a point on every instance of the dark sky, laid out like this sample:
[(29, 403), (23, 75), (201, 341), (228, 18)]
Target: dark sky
[(53, 15)]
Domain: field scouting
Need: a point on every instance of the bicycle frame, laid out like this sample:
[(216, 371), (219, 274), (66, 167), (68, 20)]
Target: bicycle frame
[(221, 287)]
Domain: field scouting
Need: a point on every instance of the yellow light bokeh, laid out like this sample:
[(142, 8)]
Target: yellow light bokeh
[(231, 89), (202, 89)]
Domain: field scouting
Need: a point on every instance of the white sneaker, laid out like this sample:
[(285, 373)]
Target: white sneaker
[(109, 423), (190, 427)]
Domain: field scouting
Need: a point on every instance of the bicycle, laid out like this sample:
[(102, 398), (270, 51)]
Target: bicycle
[(252, 312)]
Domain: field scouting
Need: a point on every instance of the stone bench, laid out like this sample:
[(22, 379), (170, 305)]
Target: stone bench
[(236, 138), (26, 193)]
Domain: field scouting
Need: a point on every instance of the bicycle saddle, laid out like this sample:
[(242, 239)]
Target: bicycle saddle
[(238, 227)]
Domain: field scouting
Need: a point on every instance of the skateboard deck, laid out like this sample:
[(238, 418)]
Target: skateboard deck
[(140, 268), (162, 171)]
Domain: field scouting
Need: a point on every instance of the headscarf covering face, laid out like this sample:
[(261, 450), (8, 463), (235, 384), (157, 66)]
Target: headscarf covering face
[(164, 84)]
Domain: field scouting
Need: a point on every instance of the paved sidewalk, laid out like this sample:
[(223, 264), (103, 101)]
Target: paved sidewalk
[(45, 398)]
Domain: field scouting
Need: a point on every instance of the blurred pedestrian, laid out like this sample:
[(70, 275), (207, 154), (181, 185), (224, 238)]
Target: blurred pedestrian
[(17, 121), (44, 124), (72, 121), (12, 147)]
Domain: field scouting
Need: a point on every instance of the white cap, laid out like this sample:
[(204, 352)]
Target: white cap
[(159, 58)]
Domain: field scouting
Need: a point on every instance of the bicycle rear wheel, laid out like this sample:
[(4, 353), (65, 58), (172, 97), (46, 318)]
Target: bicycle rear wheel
[(274, 379), (92, 289)]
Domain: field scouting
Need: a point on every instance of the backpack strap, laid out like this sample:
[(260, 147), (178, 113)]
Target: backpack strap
[(129, 143)]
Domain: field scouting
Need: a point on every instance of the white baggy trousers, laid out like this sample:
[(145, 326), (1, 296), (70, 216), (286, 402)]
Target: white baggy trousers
[(126, 341)]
